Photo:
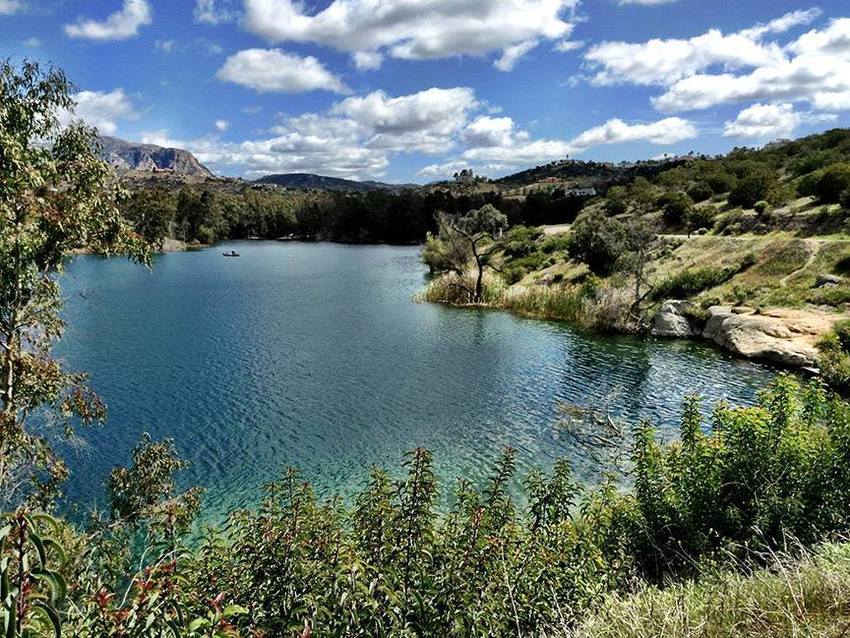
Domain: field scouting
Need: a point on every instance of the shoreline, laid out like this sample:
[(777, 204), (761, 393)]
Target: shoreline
[(783, 338)]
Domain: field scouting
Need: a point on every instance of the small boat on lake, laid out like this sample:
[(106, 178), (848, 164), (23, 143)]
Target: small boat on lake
[(232, 253)]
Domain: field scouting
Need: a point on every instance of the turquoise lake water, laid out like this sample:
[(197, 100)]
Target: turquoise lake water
[(315, 355)]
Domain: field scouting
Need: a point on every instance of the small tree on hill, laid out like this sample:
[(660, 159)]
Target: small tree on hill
[(598, 241), (676, 208), (617, 200), (834, 181)]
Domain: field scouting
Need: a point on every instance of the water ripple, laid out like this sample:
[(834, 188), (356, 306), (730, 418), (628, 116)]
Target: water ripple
[(314, 355)]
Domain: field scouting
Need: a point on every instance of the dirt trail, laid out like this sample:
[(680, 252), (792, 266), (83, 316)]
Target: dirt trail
[(814, 247)]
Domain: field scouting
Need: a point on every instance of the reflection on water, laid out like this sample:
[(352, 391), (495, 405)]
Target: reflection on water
[(314, 355)]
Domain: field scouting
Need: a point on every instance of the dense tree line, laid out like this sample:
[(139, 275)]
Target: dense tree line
[(203, 214)]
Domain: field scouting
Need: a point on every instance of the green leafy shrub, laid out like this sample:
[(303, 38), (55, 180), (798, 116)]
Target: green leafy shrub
[(616, 200), (700, 191), (516, 269), (834, 358), (598, 241), (676, 207), (689, 283), (833, 182), (764, 474), (555, 243), (521, 241), (701, 217), (760, 185), (835, 296)]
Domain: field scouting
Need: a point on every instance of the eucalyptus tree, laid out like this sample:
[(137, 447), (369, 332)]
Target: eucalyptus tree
[(56, 196)]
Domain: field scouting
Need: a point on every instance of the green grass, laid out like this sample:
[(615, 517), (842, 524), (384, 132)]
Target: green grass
[(794, 597), (689, 283)]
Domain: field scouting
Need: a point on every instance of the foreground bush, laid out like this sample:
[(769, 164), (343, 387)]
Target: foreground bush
[(834, 358), (393, 563)]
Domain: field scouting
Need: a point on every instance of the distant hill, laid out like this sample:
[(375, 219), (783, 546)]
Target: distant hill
[(323, 182), (591, 173), (128, 156)]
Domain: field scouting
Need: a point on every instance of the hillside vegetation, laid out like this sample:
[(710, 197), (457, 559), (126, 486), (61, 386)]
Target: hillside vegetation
[(754, 230)]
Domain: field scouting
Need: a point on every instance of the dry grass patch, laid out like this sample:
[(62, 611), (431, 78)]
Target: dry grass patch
[(808, 597)]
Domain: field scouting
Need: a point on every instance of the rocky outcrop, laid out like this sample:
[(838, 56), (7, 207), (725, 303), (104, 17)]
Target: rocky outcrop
[(779, 335), (671, 320), (125, 156)]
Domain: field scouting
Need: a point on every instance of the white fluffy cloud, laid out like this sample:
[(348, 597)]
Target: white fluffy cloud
[(356, 138), (101, 109), (496, 144), (770, 121), (367, 60), (569, 45), (664, 61), (222, 125), (424, 29), (763, 121), (488, 132), (8, 7), (442, 110), (121, 25), (667, 131), (273, 70), (716, 68), (514, 54)]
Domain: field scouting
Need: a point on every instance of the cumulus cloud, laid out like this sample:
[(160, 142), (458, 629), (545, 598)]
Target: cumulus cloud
[(121, 25), (487, 132), (496, 144), (441, 110), (8, 7), (616, 131), (770, 121), (101, 109), (222, 125), (425, 121), (663, 61), (356, 138), (298, 146), (716, 68), (426, 29), (273, 70)]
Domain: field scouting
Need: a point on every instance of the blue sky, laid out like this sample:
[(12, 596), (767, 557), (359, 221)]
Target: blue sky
[(413, 90)]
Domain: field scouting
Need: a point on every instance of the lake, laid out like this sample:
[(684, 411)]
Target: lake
[(316, 356)]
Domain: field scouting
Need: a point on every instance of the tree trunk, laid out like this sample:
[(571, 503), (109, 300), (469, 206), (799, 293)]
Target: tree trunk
[(479, 282)]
